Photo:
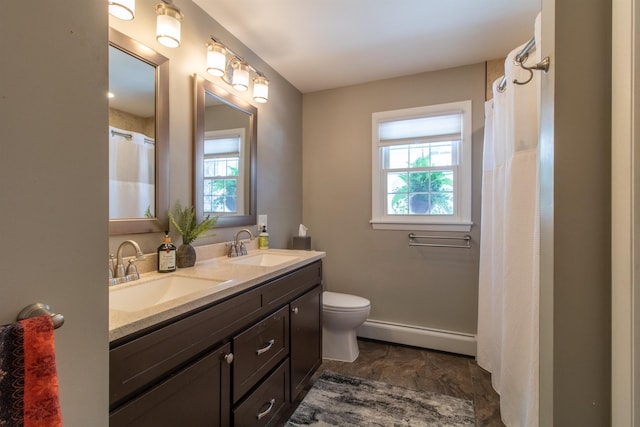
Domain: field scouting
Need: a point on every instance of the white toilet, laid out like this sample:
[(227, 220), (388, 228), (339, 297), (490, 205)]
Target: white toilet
[(342, 314)]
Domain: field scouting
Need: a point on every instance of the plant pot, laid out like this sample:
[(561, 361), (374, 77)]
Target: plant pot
[(185, 256), (419, 204)]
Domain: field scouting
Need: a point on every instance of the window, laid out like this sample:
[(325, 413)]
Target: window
[(223, 171), (421, 174)]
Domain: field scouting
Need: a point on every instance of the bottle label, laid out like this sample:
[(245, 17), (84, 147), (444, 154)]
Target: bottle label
[(263, 242), (167, 260)]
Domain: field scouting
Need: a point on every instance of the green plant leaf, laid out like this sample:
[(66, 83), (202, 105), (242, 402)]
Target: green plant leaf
[(184, 221)]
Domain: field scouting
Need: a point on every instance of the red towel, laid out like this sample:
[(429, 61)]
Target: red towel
[(28, 377)]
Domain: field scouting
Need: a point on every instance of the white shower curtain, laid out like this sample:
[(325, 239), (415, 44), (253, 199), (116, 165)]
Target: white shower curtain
[(131, 175), (508, 302)]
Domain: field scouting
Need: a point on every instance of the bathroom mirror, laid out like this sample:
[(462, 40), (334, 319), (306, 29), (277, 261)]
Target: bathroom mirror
[(138, 137), (225, 142)]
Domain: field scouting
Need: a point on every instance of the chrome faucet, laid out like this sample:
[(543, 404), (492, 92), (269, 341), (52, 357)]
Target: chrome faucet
[(119, 274), (237, 248)]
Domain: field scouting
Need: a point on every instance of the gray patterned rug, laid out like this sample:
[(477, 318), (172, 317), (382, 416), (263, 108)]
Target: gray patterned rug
[(337, 400)]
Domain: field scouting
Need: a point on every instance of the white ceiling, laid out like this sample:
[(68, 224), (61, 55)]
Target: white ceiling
[(322, 44)]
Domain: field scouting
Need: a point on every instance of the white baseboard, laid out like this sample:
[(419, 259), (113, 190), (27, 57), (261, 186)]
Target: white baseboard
[(417, 336)]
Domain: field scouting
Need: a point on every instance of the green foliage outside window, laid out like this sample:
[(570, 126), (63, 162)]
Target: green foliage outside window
[(423, 192), (221, 194)]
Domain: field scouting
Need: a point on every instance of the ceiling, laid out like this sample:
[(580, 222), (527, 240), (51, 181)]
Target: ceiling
[(323, 44)]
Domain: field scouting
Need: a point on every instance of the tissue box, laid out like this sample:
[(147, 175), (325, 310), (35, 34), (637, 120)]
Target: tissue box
[(302, 243)]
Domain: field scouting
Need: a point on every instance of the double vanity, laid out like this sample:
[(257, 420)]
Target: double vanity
[(230, 341)]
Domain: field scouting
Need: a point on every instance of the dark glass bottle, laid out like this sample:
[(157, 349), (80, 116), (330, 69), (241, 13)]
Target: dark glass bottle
[(166, 255)]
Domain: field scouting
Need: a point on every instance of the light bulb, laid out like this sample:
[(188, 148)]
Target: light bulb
[(168, 25), (123, 9), (216, 59), (240, 78), (260, 89)]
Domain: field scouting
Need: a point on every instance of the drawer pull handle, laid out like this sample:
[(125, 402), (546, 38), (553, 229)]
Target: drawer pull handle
[(266, 411), (229, 358), (265, 348), (294, 310)]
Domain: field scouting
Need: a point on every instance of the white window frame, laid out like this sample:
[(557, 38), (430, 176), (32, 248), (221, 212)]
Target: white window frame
[(232, 133), (460, 221)]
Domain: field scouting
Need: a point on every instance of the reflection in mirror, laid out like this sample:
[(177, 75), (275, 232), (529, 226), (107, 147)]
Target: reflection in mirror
[(132, 129), (138, 137), (224, 156)]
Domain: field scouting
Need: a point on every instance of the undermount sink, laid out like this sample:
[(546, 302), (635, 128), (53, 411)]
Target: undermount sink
[(140, 296), (264, 260)]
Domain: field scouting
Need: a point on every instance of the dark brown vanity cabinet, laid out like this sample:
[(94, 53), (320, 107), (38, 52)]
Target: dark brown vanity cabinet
[(240, 361)]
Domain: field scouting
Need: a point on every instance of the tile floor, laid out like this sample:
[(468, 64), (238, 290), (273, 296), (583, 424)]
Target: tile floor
[(428, 370)]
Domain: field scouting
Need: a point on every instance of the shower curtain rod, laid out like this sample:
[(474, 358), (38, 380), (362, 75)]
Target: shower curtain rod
[(122, 134), (129, 136), (520, 59)]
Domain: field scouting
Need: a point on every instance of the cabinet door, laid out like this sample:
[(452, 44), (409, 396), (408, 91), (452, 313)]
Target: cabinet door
[(306, 338), (196, 396)]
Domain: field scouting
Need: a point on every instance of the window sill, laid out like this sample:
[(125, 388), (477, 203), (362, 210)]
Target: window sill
[(385, 224)]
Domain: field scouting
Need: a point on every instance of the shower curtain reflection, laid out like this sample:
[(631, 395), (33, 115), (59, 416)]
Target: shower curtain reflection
[(131, 175), (509, 250)]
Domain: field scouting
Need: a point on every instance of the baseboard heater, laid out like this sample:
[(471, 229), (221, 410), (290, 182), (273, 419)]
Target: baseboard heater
[(418, 336)]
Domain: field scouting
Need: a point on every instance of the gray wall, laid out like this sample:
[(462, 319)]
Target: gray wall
[(279, 124), (53, 186), (431, 287), (575, 299)]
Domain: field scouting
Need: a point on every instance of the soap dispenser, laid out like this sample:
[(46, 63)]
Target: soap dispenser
[(263, 238), (166, 255)]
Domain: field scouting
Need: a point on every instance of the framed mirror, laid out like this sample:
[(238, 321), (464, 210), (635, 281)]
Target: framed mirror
[(138, 137), (225, 144)]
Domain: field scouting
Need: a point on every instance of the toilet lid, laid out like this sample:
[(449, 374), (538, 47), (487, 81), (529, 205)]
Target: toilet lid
[(338, 301)]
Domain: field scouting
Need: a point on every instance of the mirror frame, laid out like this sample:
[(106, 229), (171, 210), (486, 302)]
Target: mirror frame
[(161, 65), (201, 88)]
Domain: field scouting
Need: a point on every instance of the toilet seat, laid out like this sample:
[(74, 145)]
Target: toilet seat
[(334, 301)]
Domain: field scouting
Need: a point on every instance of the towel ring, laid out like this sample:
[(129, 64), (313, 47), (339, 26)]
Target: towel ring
[(39, 309)]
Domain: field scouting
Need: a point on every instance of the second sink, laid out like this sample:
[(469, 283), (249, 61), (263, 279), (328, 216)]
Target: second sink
[(264, 260)]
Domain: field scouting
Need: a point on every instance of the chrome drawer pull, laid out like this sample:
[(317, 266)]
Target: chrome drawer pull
[(265, 348), (266, 411)]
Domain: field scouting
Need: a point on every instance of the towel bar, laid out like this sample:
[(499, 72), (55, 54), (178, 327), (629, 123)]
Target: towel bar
[(466, 238), (39, 309)]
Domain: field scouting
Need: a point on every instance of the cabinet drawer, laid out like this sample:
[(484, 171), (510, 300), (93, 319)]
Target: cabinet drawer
[(258, 350), (286, 288), (267, 403), (195, 396), (142, 361)]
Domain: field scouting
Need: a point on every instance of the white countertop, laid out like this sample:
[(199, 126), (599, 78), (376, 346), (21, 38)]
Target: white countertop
[(236, 278)]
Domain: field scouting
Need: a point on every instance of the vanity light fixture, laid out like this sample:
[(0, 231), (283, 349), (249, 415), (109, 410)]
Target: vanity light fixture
[(123, 9), (239, 75), (260, 89), (216, 59), (236, 71), (168, 24)]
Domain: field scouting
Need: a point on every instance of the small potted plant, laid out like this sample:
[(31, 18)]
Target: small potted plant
[(184, 221)]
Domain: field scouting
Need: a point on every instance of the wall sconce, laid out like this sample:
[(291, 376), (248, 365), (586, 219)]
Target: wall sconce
[(123, 9), (235, 72), (168, 24)]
